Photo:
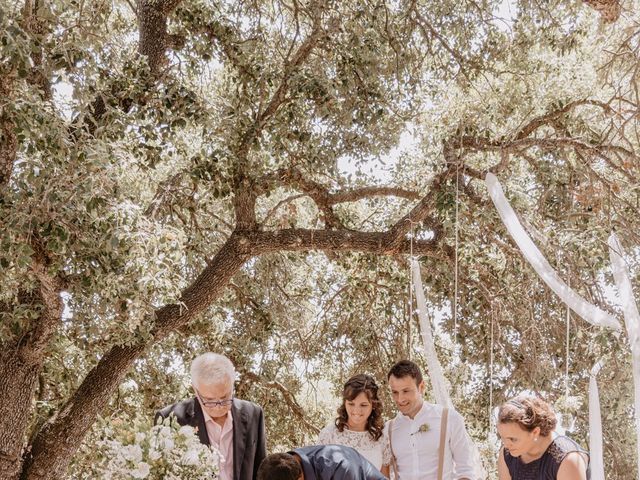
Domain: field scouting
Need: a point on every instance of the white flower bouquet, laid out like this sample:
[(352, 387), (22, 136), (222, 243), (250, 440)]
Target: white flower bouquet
[(133, 450)]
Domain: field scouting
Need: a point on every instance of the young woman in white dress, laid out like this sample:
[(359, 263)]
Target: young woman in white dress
[(359, 423)]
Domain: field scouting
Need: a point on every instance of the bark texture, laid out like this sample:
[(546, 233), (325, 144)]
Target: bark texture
[(17, 384), (609, 10), (8, 139)]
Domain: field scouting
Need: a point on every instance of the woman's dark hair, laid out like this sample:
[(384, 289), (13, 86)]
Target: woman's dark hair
[(355, 386), (529, 412)]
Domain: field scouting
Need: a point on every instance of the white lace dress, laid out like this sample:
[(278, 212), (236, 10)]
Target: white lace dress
[(377, 452)]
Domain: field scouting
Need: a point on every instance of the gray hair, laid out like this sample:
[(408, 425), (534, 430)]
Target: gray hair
[(212, 368)]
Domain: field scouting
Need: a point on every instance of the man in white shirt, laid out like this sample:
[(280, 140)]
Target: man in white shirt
[(417, 432)]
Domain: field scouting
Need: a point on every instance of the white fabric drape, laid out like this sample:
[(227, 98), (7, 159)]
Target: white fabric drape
[(438, 382), (436, 376), (586, 310), (632, 323), (595, 426)]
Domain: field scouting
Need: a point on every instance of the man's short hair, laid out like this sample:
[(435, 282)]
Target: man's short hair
[(211, 369), (406, 368), (279, 466)]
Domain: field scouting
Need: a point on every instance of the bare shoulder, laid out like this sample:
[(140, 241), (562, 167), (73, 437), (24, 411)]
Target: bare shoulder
[(573, 467), (503, 470)]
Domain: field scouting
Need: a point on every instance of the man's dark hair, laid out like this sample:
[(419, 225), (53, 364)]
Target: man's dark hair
[(406, 368), (279, 466)]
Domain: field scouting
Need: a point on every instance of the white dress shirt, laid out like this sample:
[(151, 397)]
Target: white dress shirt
[(416, 451)]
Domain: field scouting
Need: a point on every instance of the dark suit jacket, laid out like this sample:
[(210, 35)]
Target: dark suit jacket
[(249, 446)]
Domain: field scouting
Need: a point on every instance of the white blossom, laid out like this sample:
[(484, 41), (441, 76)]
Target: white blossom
[(132, 453), (142, 471)]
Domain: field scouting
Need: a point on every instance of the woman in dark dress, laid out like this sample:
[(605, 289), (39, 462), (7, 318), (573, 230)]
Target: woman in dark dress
[(530, 451)]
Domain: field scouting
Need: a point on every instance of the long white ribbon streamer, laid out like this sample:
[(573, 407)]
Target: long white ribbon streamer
[(438, 382), (586, 310), (632, 322), (595, 426)]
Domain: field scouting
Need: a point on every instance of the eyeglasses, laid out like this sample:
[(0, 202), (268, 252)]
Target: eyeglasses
[(215, 403)]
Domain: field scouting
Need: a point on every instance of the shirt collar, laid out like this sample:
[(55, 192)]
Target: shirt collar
[(423, 410), (207, 418)]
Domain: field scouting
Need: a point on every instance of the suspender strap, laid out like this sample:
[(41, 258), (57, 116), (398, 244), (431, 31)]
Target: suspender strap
[(443, 439), (394, 462), (441, 448)]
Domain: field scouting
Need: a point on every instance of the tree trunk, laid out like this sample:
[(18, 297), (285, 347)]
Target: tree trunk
[(17, 383), (59, 439)]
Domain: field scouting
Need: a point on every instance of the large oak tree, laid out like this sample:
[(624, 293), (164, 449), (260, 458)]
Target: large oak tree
[(181, 175)]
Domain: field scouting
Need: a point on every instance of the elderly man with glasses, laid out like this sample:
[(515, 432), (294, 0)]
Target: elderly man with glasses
[(235, 427)]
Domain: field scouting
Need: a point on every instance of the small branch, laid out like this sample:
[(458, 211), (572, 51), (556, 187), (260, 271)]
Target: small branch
[(546, 119), (422, 210), (297, 239), (278, 97), (323, 198), (289, 398), (274, 209), (367, 192)]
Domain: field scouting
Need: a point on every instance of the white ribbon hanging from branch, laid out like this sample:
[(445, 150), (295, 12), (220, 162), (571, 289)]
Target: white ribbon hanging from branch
[(586, 310), (595, 426), (438, 382), (632, 323)]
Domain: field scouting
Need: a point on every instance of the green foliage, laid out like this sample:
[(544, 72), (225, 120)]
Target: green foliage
[(126, 174)]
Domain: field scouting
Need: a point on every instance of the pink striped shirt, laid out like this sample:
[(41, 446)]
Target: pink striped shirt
[(222, 439)]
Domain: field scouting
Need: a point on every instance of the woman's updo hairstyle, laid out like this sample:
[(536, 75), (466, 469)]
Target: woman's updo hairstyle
[(529, 412), (352, 388)]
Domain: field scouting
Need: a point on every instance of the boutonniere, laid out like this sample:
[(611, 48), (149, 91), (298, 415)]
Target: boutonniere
[(424, 428)]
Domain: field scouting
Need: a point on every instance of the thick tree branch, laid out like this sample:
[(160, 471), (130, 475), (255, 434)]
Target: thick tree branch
[(355, 194), (322, 197), (153, 37), (245, 195), (49, 289), (205, 288), (423, 209), (609, 10), (63, 434)]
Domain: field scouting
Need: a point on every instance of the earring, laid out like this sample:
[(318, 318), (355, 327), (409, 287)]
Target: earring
[(535, 439)]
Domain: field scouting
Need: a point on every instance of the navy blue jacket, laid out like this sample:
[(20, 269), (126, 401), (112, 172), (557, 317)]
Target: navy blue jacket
[(335, 462)]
